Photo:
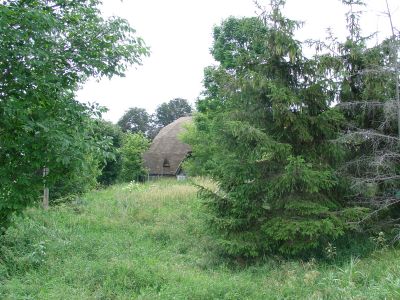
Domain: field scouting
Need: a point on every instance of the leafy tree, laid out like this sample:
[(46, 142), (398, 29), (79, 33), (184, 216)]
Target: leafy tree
[(202, 161), (154, 130), (133, 147), (49, 48), (266, 116), (170, 111), (112, 163), (135, 120)]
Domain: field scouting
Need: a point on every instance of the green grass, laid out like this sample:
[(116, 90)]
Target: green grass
[(151, 243)]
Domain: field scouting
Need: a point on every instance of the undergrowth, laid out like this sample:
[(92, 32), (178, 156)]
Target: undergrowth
[(151, 243)]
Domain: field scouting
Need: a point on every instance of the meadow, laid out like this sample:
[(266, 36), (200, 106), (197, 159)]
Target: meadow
[(150, 242)]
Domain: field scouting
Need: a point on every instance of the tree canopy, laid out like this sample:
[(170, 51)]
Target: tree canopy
[(135, 120), (49, 48), (138, 120), (170, 111)]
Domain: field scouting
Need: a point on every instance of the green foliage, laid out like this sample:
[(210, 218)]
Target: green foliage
[(64, 144), (203, 161), (75, 179), (50, 48), (152, 243), (133, 147), (135, 120), (112, 164), (237, 42), (366, 88), (263, 133), (170, 111)]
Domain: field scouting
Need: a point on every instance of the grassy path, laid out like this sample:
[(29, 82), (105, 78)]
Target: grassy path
[(150, 244)]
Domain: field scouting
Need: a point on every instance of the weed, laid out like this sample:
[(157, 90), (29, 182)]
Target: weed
[(380, 241), (330, 251), (134, 186)]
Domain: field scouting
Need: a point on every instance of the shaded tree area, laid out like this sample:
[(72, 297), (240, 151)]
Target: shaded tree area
[(49, 48), (123, 162)]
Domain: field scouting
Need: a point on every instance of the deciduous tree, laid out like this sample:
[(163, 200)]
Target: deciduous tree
[(133, 147), (170, 111), (48, 48), (135, 120), (112, 163)]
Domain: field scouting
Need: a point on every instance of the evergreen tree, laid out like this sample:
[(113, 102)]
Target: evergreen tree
[(266, 116), (368, 82)]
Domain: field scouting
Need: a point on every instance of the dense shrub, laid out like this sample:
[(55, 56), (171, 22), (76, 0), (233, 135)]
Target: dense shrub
[(112, 163), (133, 147)]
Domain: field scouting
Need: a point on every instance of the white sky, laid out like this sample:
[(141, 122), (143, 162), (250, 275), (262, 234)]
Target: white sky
[(179, 33)]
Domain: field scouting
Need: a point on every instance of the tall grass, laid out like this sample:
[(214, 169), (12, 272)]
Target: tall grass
[(149, 242)]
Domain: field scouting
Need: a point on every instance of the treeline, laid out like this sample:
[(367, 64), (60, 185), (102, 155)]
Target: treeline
[(304, 151), (137, 120)]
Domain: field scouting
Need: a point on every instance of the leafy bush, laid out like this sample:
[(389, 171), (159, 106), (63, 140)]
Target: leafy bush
[(75, 179), (133, 147), (112, 163)]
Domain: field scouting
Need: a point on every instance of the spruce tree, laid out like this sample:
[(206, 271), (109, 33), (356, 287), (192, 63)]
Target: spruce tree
[(368, 83), (267, 119)]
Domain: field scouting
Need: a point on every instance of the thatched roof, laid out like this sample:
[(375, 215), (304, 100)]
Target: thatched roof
[(167, 152)]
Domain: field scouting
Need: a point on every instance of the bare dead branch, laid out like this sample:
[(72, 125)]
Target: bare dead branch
[(375, 212)]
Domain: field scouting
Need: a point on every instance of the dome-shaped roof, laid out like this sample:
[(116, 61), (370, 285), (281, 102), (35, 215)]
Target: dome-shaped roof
[(167, 152)]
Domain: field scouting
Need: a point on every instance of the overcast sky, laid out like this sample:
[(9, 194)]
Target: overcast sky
[(179, 33)]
